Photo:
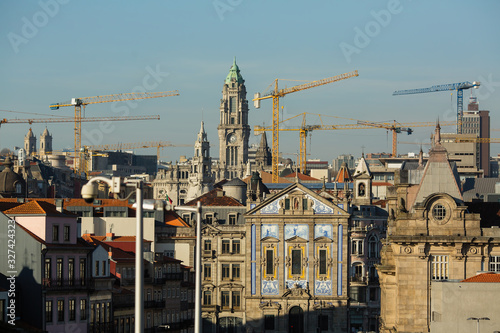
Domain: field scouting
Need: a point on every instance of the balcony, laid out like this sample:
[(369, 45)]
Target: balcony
[(358, 279), (66, 284), (208, 254)]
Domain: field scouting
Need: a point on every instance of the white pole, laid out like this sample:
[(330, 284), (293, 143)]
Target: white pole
[(197, 301), (139, 275)]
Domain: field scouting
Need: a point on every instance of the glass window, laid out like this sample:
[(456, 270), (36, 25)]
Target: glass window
[(83, 266), (207, 245), (236, 272), (59, 270), (103, 268), (66, 233), (186, 218), (225, 299), (439, 212), (236, 246), (83, 309), (47, 270), (55, 233), (226, 246), (207, 271), (373, 247), (439, 267), (357, 246), (225, 271), (236, 299), (232, 219), (71, 271), (97, 268), (48, 311), (60, 310), (270, 262), (297, 262), (72, 311), (495, 263), (322, 261), (209, 218)]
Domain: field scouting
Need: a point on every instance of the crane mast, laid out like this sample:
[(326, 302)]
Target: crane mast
[(276, 94)]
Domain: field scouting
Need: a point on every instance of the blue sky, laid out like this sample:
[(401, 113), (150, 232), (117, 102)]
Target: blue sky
[(54, 50)]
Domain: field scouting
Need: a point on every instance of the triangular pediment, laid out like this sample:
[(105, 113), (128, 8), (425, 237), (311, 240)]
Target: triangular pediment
[(276, 203), (323, 239), (269, 239), (296, 239), (210, 229)]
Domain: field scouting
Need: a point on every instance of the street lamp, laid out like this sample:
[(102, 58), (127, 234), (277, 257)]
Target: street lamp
[(89, 193), (477, 320), (197, 270)]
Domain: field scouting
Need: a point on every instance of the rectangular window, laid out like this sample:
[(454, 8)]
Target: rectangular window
[(83, 309), (236, 246), (55, 233), (236, 272), (59, 271), (209, 218), (66, 233), (232, 104), (358, 294), (297, 262), (225, 272), (232, 219), (207, 245), (373, 294), (186, 218), (439, 267), (83, 267), (207, 297), (322, 261), (207, 271), (226, 246), (48, 311), (270, 262), (60, 310), (103, 268), (97, 268), (71, 271), (495, 263), (48, 270), (236, 299), (97, 312), (225, 299), (287, 204), (269, 322), (357, 246), (304, 203), (72, 311)]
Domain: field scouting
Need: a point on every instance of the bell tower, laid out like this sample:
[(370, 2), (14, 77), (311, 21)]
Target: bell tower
[(233, 128)]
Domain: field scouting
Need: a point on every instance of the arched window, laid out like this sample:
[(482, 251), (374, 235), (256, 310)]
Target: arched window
[(373, 251), (361, 190)]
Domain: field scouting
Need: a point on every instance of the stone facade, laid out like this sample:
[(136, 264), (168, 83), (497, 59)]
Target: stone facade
[(431, 237)]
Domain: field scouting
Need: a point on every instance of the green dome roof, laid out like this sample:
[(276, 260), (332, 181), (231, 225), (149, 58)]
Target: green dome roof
[(234, 72)]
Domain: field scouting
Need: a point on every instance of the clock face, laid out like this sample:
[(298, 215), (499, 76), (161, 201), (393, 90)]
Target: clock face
[(232, 138)]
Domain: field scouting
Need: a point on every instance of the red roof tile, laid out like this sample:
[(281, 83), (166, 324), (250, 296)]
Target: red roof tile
[(37, 207), (301, 176), (214, 198), (173, 220), (484, 277)]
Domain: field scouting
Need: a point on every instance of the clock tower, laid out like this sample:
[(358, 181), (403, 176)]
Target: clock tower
[(233, 128)]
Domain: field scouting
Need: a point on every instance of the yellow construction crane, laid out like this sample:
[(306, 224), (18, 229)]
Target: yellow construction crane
[(305, 129), (275, 94), (78, 103), (70, 120)]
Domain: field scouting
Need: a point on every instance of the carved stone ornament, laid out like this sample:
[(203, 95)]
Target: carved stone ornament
[(407, 250), (267, 305)]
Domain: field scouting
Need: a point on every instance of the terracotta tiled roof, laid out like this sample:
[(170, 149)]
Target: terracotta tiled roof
[(37, 207), (173, 220), (213, 198), (484, 277), (5, 205)]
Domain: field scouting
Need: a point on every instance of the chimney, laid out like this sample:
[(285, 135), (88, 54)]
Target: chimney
[(109, 236), (59, 205)]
